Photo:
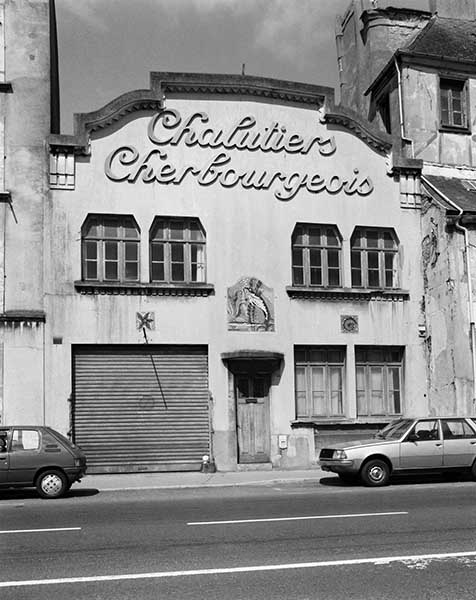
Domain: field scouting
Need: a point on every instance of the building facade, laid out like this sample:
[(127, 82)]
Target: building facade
[(231, 272), (422, 93)]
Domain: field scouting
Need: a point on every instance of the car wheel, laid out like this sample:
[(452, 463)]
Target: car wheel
[(375, 473), (51, 484)]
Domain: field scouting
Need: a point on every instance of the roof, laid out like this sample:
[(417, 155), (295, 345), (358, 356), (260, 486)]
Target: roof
[(453, 39), (441, 39), (460, 191)]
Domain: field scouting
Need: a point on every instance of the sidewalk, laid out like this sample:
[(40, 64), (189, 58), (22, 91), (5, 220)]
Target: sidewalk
[(195, 479)]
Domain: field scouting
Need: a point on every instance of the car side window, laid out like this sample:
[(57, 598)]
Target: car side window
[(3, 440), (427, 430), (25, 439), (456, 429)]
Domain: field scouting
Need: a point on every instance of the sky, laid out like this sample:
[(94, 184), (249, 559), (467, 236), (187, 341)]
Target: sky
[(108, 47)]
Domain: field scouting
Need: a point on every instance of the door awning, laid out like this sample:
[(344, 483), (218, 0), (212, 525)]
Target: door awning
[(246, 361)]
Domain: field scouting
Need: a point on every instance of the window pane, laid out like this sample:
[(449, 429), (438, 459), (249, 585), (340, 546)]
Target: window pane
[(91, 229), (130, 230), (361, 389), (111, 270), (198, 262), (372, 239), (315, 258), (111, 250), (298, 276), (388, 240), (157, 252), (91, 250), (196, 233), (177, 251), (91, 270), (318, 391), (131, 250), (178, 272), (111, 229), (333, 258), (301, 407), (332, 239), (376, 391), (158, 272), (298, 237), (335, 384), (159, 231), (334, 277), (373, 277), (131, 271), (176, 230), (372, 260), (298, 257), (314, 236)]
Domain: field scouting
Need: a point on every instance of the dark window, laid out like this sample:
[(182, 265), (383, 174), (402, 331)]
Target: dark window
[(177, 250), (383, 108), (319, 375), (379, 378), (456, 429), (110, 248), (374, 258), (316, 255), (453, 103)]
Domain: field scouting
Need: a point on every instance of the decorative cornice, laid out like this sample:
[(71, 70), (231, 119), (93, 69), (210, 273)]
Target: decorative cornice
[(346, 294), (242, 85), (376, 139), (85, 123), (163, 83), (23, 316), (144, 289)]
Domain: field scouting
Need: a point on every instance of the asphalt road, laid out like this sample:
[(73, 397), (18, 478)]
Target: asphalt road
[(321, 541)]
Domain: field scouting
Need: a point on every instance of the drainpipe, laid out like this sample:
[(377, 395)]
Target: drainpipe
[(468, 271), (400, 106)]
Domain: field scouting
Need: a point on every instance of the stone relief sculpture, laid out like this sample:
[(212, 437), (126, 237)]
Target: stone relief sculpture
[(250, 306)]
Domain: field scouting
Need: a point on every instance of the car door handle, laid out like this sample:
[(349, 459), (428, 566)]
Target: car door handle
[(439, 444), (472, 443)]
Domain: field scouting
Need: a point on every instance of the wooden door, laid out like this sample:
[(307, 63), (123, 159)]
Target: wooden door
[(252, 408)]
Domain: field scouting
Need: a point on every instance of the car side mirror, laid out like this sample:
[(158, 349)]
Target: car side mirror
[(412, 437)]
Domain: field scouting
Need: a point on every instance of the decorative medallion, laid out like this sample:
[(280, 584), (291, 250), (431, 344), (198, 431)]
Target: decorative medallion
[(250, 306), (349, 323), (145, 321)]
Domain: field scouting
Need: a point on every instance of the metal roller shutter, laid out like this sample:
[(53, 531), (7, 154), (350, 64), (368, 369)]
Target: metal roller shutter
[(141, 408)]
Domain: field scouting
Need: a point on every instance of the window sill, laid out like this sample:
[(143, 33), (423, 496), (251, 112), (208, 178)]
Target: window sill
[(454, 129), (346, 294), (144, 289), (342, 422)]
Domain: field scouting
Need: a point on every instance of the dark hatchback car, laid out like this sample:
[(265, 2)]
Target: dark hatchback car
[(35, 456), (439, 444)]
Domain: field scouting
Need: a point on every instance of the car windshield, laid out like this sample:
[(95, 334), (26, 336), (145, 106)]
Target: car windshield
[(395, 429)]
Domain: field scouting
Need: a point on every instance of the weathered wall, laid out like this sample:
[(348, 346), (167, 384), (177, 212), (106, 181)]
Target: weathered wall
[(447, 323), (422, 121), (366, 41), (24, 126)]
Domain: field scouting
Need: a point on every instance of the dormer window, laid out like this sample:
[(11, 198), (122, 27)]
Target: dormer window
[(453, 104)]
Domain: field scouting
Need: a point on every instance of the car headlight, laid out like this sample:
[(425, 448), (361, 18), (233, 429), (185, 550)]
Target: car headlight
[(339, 455)]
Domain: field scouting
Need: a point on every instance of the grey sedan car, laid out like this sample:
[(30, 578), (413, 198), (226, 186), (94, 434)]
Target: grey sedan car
[(406, 445)]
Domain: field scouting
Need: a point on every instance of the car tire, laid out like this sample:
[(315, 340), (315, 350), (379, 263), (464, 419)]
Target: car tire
[(473, 471), (51, 484), (375, 473)]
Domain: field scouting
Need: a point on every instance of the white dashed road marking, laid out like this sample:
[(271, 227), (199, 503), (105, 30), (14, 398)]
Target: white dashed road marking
[(270, 520)]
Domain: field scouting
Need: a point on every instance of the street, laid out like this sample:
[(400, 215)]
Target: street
[(311, 540)]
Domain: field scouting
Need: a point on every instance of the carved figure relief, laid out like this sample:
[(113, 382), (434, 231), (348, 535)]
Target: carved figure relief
[(250, 306)]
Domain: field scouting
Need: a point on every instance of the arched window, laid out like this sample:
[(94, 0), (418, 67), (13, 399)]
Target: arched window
[(316, 255), (110, 248), (374, 258), (177, 250)]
